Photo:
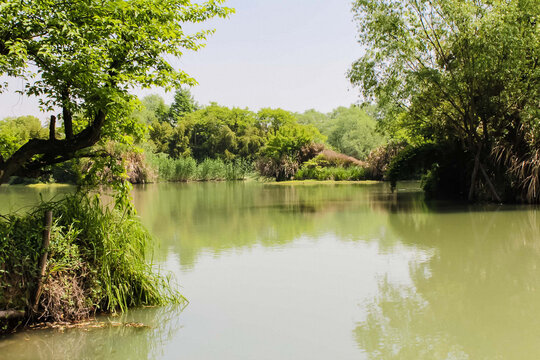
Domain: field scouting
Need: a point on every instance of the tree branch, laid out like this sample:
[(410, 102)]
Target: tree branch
[(51, 151), (67, 115)]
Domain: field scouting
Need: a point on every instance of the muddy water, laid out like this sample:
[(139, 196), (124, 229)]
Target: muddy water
[(319, 272)]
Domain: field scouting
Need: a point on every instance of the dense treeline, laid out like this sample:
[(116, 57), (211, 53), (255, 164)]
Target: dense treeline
[(460, 82), (186, 141)]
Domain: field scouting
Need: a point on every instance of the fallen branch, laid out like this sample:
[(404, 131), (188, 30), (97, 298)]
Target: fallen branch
[(11, 314), (490, 184)]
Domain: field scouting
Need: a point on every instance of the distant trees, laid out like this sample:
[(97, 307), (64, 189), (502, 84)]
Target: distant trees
[(216, 131), (271, 137), (288, 145), (349, 130), (183, 104), (465, 76)]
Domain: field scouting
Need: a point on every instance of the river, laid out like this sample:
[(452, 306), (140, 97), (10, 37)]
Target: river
[(320, 271)]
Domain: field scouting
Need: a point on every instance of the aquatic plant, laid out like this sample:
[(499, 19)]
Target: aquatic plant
[(97, 261), (187, 169)]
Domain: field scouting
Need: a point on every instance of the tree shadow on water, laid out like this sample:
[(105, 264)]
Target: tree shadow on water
[(476, 297)]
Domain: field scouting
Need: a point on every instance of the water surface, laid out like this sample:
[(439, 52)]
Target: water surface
[(320, 272)]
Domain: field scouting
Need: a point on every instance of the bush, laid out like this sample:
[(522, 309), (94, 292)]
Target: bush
[(96, 261), (280, 169), (379, 159), (319, 168)]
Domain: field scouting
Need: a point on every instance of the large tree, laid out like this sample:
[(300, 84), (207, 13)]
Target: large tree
[(462, 72), (82, 57)]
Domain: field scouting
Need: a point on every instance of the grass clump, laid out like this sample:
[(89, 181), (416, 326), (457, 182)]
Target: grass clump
[(187, 169), (96, 262)]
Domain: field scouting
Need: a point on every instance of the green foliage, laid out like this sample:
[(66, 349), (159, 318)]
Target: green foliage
[(349, 130), (211, 132), (86, 56), (96, 261), (14, 132), (225, 133), (289, 139), (412, 162), (187, 169), (152, 109), (320, 168), (287, 148), (183, 104), (160, 134), (458, 72), (274, 119), (441, 168)]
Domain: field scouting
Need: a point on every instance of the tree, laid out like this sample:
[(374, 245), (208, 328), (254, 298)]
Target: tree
[(464, 73), (153, 109), (82, 57), (183, 104), (349, 130), (287, 147)]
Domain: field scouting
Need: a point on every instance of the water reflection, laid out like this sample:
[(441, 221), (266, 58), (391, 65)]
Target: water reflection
[(109, 342), (191, 219), (477, 297), (343, 271), (20, 198)]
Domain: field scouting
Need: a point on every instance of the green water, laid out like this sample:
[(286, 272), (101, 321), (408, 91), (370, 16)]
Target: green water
[(320, 272)]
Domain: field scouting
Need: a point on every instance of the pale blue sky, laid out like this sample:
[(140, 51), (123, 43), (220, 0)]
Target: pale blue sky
[(291, 54)]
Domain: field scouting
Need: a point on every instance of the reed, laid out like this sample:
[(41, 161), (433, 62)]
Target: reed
[(187, 169)]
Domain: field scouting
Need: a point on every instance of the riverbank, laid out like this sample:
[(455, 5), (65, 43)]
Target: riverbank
[(83, 259), (325, 182)]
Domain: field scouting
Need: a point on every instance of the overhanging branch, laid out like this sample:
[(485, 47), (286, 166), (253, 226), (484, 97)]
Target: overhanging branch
[(52, 151)]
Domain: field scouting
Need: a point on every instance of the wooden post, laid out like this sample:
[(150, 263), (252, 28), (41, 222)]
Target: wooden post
[(43, 260)]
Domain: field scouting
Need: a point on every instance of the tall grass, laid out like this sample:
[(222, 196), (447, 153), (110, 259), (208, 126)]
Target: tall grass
[(187, 169), (96, 261)]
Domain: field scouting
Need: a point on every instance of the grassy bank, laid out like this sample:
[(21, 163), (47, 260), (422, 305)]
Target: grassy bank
[(96, 263), (323, 182)]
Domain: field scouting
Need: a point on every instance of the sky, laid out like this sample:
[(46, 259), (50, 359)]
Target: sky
[(291, 54)]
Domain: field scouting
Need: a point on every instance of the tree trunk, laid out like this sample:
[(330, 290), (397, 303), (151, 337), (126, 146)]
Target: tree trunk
[(474, 174)]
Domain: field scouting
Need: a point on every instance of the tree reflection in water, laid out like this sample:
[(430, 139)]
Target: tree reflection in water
[(477, 297)]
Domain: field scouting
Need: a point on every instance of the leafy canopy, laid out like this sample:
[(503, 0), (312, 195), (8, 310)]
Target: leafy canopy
[(458, 72), (350, 130), (84, 56)]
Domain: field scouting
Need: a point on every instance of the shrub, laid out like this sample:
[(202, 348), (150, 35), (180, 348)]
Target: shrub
[(379, 159), (319, 168)]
